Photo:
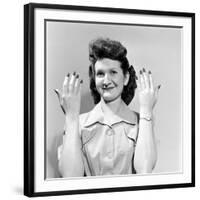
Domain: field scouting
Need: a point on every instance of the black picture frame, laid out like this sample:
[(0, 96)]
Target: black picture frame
[(30, 93)]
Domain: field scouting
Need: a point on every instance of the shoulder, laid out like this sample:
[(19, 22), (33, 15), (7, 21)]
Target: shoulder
[(135, 116), (131, 115), (86, 126), (83, 117)]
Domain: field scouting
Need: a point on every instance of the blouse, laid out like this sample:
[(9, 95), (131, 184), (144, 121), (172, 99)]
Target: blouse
[(108, 140)]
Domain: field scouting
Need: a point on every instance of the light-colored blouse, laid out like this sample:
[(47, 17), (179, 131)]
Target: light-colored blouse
[(108, 140)]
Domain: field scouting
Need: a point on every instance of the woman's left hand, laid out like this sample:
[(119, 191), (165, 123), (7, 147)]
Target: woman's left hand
[(148, 94)]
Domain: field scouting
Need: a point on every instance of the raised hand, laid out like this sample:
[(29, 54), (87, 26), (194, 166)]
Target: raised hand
[(70, 97), (148, 94)]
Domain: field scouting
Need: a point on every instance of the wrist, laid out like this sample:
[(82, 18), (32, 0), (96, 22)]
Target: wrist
[(72, 118), (72, 126), (146, 112)]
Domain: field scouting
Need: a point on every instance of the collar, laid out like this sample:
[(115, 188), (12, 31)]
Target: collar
[(101, 113)]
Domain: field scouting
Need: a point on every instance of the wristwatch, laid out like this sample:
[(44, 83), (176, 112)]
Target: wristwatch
[(146, 118)]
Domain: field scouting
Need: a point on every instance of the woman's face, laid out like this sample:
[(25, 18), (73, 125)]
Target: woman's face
[(109, 79)]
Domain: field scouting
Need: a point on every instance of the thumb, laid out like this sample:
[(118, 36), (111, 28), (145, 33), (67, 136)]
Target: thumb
[(59, 98), (58, 93)]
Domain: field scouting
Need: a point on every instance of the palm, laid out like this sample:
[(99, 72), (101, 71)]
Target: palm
[(147, 92), (70, 98)]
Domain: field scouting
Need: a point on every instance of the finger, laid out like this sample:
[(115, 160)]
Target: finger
[(146, 78), (80, 86), (142, 82), (66, 83), (77, 84), (150, 81), (72, 82), (138, 83)]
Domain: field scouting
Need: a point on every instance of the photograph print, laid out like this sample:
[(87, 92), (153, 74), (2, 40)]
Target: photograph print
[(123, 84), (111, 101)]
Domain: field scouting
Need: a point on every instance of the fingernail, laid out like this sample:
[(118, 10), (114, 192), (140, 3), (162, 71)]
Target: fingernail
[(144, 70), (136, 77), (74, 73), (159, 86), (140, 71), (68, 74), (149, 72), (81, 81), (77, 76)]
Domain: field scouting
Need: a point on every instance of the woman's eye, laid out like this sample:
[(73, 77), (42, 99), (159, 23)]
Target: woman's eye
[(100, 74), (113, 72)]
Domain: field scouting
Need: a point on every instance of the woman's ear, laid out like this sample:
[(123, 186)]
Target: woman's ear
[(127, 76)]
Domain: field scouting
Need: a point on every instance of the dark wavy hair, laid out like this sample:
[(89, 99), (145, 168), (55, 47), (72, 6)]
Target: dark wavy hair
[(105, 48)]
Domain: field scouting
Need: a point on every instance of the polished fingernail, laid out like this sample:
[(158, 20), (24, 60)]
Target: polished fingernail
[(68, 74), (143, 70), (136, 77), (74, 73), (77, 76), (159, 86), (81, 81), (149, 72), (140, 71)]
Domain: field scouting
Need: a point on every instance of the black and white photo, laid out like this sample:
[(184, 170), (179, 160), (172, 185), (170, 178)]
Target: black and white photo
[(109, 99)]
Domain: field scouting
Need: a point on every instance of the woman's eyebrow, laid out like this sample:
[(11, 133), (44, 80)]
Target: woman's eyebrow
[(99, 70), (110, 69), (114, 68)]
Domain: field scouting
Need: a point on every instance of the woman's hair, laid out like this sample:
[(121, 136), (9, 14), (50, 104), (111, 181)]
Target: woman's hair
[(106, 48)]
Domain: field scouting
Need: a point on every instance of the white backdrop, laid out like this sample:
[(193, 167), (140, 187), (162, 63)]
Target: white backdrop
[(11, 143)]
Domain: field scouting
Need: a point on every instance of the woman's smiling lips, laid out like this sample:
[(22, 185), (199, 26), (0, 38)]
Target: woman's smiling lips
[(106, 89)]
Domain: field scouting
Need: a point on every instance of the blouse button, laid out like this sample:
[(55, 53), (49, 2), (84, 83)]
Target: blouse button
[(110, 132)]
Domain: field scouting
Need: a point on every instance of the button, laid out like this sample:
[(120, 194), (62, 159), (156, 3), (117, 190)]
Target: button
[(110, 132)]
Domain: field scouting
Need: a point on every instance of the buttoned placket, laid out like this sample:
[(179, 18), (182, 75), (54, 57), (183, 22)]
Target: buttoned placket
[(110, 137)]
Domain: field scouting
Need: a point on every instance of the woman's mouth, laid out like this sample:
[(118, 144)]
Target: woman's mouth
[(107, 88)]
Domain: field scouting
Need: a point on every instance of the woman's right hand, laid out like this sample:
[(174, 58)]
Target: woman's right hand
[(70, 97)]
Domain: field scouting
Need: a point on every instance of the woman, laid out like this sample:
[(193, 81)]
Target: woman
[(110, 139)]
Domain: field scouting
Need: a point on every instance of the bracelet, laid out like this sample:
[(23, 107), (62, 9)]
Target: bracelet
[(147, 119)]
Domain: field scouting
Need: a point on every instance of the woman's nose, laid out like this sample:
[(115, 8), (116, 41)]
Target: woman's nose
[(107, 79)]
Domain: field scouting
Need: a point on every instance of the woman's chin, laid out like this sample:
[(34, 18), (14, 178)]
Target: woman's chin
[(108, 98)]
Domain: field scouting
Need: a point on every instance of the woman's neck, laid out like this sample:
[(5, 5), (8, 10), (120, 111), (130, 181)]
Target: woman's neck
[(115, 105)]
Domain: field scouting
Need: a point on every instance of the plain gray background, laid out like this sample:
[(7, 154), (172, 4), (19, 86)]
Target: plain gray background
[(154, 48)]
